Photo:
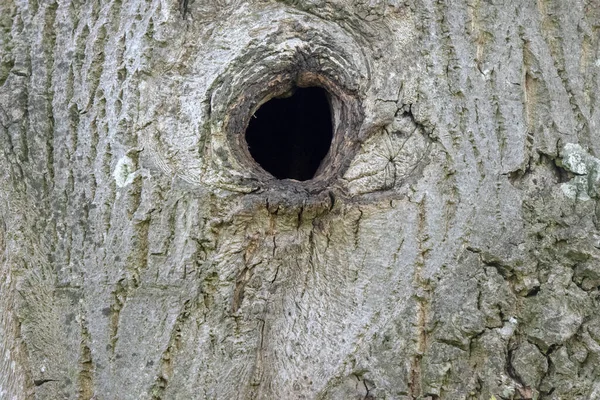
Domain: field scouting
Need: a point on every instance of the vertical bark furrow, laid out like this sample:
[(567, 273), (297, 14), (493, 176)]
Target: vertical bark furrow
[(15, 377), (119, 296), (85, 381), (422, 289), (165, 367)]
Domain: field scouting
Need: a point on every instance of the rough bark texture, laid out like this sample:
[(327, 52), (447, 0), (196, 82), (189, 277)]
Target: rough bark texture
[(449, 247)]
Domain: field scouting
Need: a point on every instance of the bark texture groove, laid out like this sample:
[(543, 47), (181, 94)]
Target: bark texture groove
[(449, 247)]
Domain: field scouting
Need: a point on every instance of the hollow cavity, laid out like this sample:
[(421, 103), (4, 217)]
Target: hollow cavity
[(289, 137)]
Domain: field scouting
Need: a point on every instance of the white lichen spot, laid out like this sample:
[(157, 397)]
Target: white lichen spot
[(508, 328), (569, 190), (576, 189), (575, 158), (123, 172), (587, 167)]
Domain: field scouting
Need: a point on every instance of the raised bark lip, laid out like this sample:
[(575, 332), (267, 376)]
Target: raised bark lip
[(347, 116), (299, 52)]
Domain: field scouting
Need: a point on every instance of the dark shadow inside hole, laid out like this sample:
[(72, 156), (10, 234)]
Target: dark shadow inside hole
[(290, 137)]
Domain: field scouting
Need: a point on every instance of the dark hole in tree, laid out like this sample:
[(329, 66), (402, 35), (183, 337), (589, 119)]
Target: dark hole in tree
[(290, 137)]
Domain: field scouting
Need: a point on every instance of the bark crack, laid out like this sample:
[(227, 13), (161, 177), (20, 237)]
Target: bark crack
[(85, 376), (166, 366), (423, 298)]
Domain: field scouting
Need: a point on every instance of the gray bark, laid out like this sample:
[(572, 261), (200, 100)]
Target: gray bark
[(448, 248)]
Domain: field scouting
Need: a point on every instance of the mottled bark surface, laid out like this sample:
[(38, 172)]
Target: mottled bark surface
[(448, 248)]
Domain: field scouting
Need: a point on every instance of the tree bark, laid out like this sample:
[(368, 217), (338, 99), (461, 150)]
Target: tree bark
[(448, 247)]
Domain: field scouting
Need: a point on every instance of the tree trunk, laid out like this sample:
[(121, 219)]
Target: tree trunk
[(447, 248)]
